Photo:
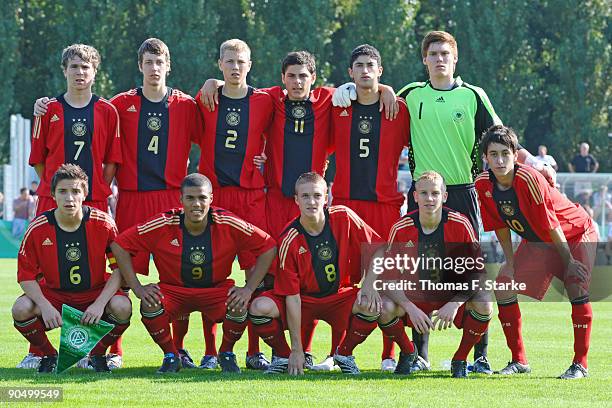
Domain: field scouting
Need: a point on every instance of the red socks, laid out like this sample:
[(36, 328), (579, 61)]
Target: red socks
[(233, 327), (158, 326), (180, 326), (510, 318), (271, 332), (582, 317), (394, 332), (34, 332), (474, 326), (359, 329)]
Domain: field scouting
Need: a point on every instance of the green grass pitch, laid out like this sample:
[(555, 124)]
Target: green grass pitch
[(547, 333)]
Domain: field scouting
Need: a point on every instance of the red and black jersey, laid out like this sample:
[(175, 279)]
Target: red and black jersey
[(200, 261), (156, 139), (233, 136), (531, 207), (87, 136), (298, 140), (436, 251), (72, 261), (319, 266), (368, 148)]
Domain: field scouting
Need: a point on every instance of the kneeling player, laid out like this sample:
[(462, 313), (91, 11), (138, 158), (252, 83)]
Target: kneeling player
[(193, 248), (69, 246), (558, 240), (319, 267), (431, 232)]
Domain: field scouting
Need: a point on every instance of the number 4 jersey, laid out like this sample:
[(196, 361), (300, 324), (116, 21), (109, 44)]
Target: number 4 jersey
[(87, 136), (71, 261)]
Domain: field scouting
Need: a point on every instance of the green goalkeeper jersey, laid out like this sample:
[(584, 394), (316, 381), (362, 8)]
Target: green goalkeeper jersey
[(445, 129)]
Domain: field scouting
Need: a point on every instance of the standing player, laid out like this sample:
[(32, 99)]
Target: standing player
[(233, 138), (158, 125), (558, 240), (68, 247), (193, 248), (320, 265), (368, 147), (81, 128), (431, 233)]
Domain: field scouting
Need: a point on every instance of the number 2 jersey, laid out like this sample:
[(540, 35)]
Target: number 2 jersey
[(195, 261), (322, 265), (156, 139), (71, 261), (88, 137), (233, 136), (531, 207)]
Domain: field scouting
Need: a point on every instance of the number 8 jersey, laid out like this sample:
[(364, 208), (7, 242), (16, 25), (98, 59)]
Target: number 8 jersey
[(71, 261), (87, 136), (322, 265)]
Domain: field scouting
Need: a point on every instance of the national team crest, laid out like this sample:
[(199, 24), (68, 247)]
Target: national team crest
[(77, 337), (298, 112), (458, 115), (507, 209), (154, 123), (197, 257), (73, 254), (324, 253), (364, 126), (232, 118), (79, 129)]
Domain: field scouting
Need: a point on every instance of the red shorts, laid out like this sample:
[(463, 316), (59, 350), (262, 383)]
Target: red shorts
[(428, 307), (280, 210), (335, 309), (180, 301), (535, 264), (135, 207), (379, 216), (46, 203), (78, 300), (248, 204)]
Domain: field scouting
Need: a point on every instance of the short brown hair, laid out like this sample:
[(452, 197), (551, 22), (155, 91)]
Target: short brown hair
[(69, 171), (85, 52), (438, 36), (310, 177), (503, 135), (299, 58), (234, 45), (431, 175), (154, 46)]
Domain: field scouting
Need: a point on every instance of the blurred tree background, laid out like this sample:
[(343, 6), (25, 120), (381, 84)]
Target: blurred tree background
[(544, 64)]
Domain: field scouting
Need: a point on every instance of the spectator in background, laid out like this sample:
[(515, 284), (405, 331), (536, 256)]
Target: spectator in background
[(33, 188), (1, 206), (602, 203), (403, 160), (23, 208), (545, 158), (583, 162)]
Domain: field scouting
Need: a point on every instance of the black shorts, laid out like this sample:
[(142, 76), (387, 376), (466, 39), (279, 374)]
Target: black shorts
[(461, 197)]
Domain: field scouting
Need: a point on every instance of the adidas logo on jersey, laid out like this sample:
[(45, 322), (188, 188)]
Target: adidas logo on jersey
[(54, 118), (440, 99), (344, 113), (410, 244), (175, 242), (47, 242), (302, 250), (131, 109)]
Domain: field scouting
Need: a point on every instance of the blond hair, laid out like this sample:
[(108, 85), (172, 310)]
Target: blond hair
[(234, 45), (432, 176), (85, 52), (310, 177)]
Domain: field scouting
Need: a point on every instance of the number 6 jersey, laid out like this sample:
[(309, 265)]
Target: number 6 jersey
[(71, 261)]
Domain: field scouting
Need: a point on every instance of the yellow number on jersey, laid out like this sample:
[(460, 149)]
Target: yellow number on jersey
[(515, 225), (197, 273), (299, 126), (364, 148), (79, 143), (153, 144), (231, 138), (330, 272), (75, 277)]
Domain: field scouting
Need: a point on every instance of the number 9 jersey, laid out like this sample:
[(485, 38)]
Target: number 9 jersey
[(69, 261)]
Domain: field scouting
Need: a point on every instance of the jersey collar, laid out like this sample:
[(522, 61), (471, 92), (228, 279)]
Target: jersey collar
[(457, 84)]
